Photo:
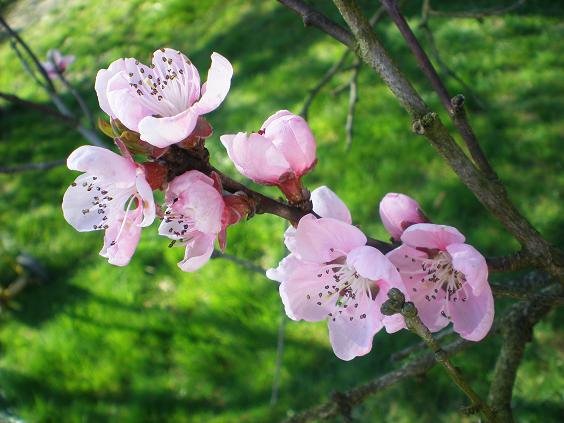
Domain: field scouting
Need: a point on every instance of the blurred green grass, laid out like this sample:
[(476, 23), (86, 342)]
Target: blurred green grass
[(150, 343)]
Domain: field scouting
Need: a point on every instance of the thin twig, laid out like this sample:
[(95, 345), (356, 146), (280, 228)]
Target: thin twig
[(456, 111), (359, 394), (479, 14), (49, 84), (322, 82), (353, 99), (396, 304), (279, 357), (31, 166), (247, 264), (516, 331), (425, 27), (67, 120), (407, 351), (81, 103), (312, 17)]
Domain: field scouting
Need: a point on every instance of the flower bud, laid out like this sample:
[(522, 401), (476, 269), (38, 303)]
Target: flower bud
[(278, 154), (398, 212)]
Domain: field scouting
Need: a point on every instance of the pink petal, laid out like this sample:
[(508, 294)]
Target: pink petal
[(198, 252), (80, 205), (408, 260), (323, 240), (125, 104), (121, 239), (429, 304), (353, 338), (428, 235), (164, 131), (471, 263), (217, 85), (146, 194), (181, 185), (397, 212), (473, 318), (285, 269), (255, 157), (66, 61), (200, 201), (103, 163), (102, 79), (188, 73), (293, 138), (372, 264), (300, 293), (327, 204)]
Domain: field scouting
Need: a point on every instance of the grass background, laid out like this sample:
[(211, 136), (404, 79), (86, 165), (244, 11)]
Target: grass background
[(150, 343)]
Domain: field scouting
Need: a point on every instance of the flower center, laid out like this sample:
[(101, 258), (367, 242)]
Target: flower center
[(344, 289), (439, 271)]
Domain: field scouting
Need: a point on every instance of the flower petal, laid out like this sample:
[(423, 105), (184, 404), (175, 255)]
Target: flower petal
[(102, 79), (428, 235), (291, 135), (471, 263), (372, 264), (255, 157), (164, 131), (327, 204), (473, 318), (325, 239), (85, 205), (300, 293), (121, 238), (285, 269), (166, 59), (398, 211), (353, 338), (103, 163), (198, 252), (146, 194), (217, 85), (125, 104)]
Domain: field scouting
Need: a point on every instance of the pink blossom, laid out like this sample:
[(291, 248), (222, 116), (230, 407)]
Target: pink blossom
[(398, 212), (162, 102), (279, 154), (331, 274), (111, 195), (56, 63), (446, 278), (196, 215)]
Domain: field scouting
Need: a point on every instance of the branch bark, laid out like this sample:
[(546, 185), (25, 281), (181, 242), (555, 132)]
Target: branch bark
[(516, 331)]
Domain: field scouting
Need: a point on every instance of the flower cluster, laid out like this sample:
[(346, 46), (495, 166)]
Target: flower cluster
[(157, 111), (331, 272)]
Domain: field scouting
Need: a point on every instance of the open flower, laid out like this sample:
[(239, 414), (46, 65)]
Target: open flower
[(162, 102), (196, 215), (446, 278), (279, 154), (111, 195), (331, 274), (398, 212), (56, 63)]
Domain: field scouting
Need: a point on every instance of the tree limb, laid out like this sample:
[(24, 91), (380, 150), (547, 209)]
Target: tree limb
[(517, 330), (31, 166)]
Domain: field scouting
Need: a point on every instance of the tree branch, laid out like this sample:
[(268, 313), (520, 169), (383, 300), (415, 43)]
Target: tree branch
[(490, 192), (479, 14), (31, 166), (67, 120), (312, 17), (360, 393), (455, 109), (396, 304), (517, 330)]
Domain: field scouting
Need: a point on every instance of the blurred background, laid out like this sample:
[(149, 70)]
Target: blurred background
[(86, 341)]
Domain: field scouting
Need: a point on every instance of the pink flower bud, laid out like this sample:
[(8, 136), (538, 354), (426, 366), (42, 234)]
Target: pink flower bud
[(398, 212), (279, 154)]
